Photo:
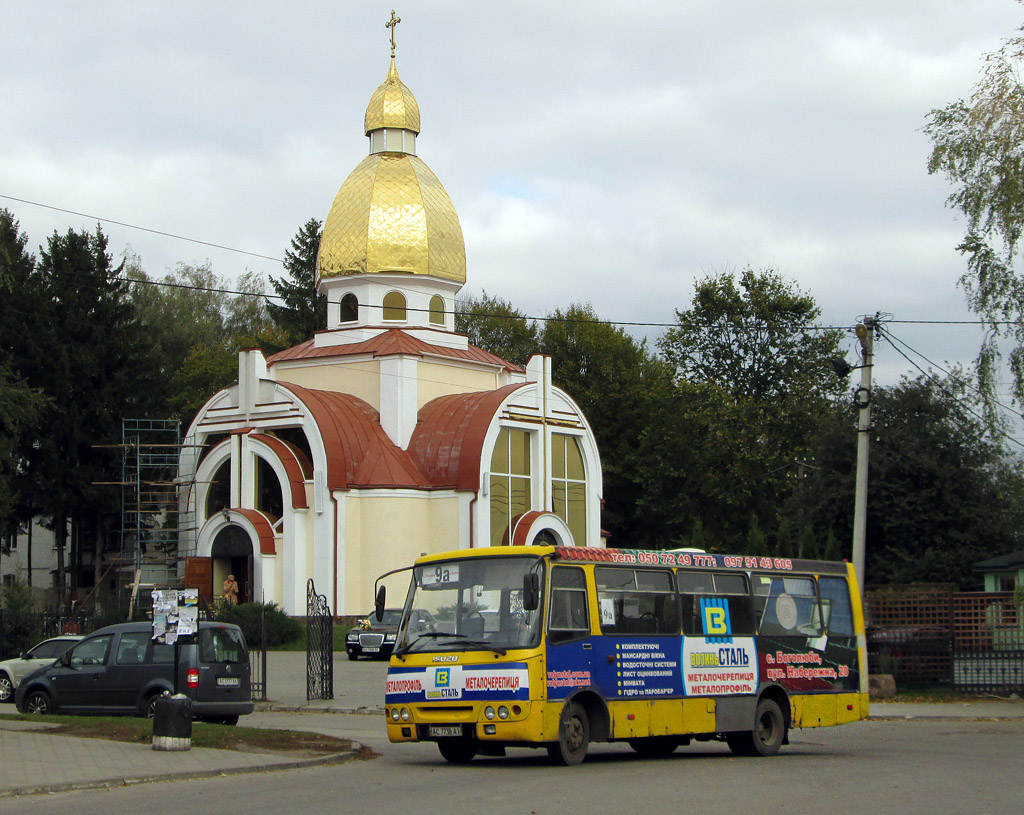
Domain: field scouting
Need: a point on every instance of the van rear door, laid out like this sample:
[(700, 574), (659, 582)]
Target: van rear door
[(223, 665)]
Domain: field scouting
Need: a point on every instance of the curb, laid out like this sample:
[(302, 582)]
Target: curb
[(274, 707), (110, 783)]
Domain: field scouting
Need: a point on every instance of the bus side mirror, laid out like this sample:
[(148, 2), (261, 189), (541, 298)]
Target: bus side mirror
[(378, 606), (531, 591)]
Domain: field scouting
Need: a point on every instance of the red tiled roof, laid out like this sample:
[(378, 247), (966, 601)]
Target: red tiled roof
[(359, 452), (389, 343), (449, 436)]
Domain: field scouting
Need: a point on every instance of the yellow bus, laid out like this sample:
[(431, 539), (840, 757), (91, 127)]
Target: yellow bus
[(558, 647)]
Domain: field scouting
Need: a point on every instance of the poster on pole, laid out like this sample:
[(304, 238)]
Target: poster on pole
[(175, 614)]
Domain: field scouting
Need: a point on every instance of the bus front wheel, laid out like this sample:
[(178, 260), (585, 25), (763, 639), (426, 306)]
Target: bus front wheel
[(458, 750), (573, 736), (767, 735)]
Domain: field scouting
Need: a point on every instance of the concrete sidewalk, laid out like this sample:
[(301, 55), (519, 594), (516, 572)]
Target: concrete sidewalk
[(34, 762)]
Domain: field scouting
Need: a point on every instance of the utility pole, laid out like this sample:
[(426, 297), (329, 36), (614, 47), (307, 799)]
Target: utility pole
[(862, 400)]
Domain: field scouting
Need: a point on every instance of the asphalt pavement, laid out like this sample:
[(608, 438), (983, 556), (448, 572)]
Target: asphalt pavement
[(33, 762)]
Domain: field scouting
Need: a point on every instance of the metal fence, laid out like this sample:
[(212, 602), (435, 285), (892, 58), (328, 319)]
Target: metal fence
[(927, 636), (50, 624)]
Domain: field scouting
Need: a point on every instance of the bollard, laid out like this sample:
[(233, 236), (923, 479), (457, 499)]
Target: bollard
[(172, 723)]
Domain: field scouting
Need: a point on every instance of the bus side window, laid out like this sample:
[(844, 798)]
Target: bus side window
[(728, 591), (569, 618), (835, 598), (787, 606), (640, 601)]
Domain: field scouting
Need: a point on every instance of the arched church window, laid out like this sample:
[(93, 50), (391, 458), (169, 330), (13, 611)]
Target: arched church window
[(394, 306), (436, 310), (269, 497), (509, 481), (218, 496), (349, 308), (569, 485)]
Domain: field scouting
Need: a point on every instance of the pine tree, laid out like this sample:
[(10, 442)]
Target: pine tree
[(304, 311)]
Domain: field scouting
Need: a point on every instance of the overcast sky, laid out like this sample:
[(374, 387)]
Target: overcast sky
[(603, 152)]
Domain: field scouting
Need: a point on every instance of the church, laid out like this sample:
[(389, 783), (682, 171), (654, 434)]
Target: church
[(387, 435)]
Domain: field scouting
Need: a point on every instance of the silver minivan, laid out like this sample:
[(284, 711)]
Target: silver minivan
[(120, 669)]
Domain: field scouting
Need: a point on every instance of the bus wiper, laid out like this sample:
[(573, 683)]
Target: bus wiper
[(486, 646), (423, 636)]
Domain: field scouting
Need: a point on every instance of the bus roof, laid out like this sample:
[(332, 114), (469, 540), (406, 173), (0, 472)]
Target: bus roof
[(650, 557)]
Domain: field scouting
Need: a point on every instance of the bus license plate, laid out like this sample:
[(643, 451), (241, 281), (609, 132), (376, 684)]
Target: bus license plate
[(439, 730), (227, 681)]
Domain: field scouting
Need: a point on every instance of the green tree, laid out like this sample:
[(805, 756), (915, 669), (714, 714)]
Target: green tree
[(21, 407), (304, 311), (497, 326), (942, 494), (91, 355), (755, 337), (199, 322), (753, 375), (616, 381), (978, 144)]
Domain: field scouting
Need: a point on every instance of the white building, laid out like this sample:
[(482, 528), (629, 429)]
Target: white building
[(387, 435)]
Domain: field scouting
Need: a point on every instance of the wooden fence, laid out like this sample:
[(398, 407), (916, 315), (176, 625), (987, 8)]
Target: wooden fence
[(932, 635)]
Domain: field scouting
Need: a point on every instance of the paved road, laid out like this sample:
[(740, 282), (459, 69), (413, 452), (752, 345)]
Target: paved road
[(924, 766), (37, 762)]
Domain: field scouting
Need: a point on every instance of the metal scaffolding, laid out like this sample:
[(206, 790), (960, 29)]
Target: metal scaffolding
[(154, 522)]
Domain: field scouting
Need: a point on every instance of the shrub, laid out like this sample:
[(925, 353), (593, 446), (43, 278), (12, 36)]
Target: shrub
[(20, 628), (281, 629)]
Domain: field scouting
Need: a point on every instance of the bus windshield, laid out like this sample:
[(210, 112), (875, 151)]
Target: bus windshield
[(470, 604)]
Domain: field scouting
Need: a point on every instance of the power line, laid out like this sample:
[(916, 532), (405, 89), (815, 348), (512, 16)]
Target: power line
[(939, 383), (623, 323), (140, 228)]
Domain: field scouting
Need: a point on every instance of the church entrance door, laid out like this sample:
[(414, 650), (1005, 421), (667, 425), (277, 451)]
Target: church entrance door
[(232, 554)]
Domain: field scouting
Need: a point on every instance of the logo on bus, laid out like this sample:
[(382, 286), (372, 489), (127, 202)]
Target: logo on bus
[(442, 677), (716, 620)]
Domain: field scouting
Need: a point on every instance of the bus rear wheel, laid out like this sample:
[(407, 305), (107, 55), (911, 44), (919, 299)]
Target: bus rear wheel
[(655, 746), (460, 750), (573, 736), (767, 735)]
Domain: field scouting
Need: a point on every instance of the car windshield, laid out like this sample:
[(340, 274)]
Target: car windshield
[(392, 617), (469, 605)]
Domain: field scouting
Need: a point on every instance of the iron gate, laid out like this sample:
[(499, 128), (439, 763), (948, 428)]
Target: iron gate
[(319, 646)]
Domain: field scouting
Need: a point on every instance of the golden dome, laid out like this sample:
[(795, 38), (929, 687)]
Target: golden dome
[(392, 105), (392, 215)]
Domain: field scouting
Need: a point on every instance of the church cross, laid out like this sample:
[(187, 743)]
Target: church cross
[(391, 24)]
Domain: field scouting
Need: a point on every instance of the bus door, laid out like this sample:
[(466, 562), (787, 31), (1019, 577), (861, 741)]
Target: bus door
[(570, 649)]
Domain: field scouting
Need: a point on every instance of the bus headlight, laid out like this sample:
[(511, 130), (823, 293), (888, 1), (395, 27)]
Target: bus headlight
[(488, 712), (405, 714), (502, 712), (394, 714)]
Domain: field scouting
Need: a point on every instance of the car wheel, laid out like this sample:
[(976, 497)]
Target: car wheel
[(6, 688), (573, 736), (353, 655), (148, 708), (38, 702)]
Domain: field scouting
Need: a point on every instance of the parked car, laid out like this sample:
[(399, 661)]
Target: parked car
[(12, 671), (377, 639), (121, 670)]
